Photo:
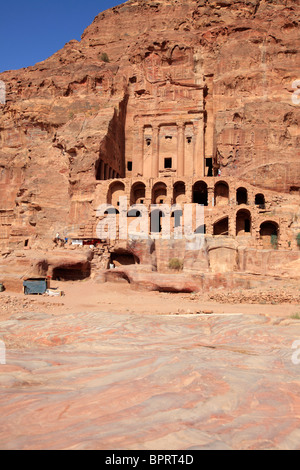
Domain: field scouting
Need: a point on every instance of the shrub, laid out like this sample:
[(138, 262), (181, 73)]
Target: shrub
[(104, 57), (296, 316), (274, 241), (176, 264), (298, 240)]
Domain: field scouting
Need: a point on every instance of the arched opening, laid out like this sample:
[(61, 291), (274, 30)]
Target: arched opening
[(123, 258), (137, 194), (260, 201), (269, 234), (156, 220), (179, 193), (133, 213), (111, 211), (243, 222), (241, 196), (73, 272), (115, 191), (177, 216), (159, 193), (200, 193), (221, 227), (221, 194), (201, 229)]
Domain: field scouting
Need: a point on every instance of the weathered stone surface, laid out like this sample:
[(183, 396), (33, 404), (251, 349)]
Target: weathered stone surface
[(84, 381)]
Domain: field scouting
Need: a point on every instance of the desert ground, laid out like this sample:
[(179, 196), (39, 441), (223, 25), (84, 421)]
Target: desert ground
[(107, 367)]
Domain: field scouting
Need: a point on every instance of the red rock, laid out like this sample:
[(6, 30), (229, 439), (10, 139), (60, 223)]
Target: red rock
[(160, 73)]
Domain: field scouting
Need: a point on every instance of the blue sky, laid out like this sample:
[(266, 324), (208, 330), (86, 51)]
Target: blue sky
[(32, 30)]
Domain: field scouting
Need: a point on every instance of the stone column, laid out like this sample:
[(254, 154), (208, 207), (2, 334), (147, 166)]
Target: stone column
[(211, 194), (209, 226), (189, 193), (137, 154), (141, 142), (155, 152), (232, 225), (148, 194), (199, 156), (180, 149)]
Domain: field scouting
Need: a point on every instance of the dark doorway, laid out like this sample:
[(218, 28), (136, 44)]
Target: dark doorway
[(200, 193), (123, 259), (99, 170), (209, 166), (76, 272), (177, 215), (269, 234), (260, 201), (222, 227), (168, 163), (179, 192), (243, 222), (242, 196), (156, 221)]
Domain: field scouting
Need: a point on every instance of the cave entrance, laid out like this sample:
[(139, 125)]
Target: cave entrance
[(295, 190), (123, 259), (75, 272)]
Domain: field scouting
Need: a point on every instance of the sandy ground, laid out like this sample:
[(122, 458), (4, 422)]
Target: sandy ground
[(121, 298)]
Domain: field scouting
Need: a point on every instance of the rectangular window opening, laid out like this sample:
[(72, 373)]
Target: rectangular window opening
[(168, 163)]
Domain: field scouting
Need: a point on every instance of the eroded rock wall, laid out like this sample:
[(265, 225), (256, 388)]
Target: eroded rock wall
[(66, 114)]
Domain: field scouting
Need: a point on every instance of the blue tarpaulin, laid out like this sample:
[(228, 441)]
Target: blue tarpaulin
[(35, 286)]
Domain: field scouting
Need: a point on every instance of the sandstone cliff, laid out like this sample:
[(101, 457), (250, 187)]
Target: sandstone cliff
[(62, 114)]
